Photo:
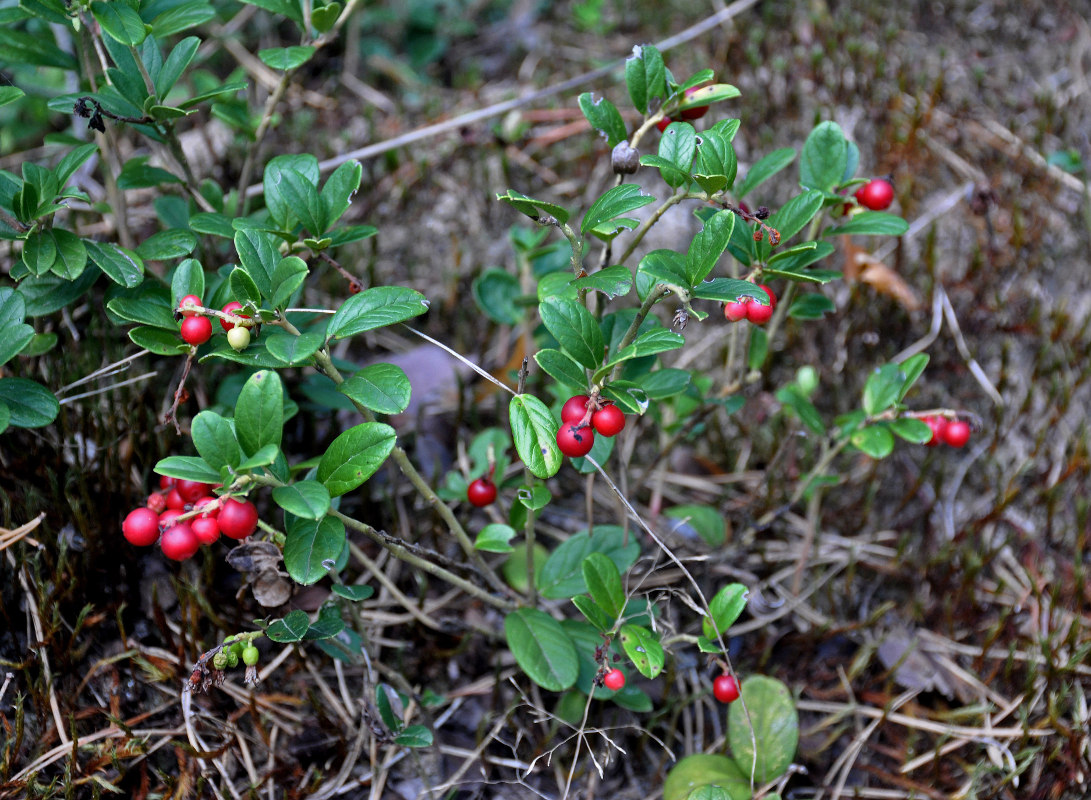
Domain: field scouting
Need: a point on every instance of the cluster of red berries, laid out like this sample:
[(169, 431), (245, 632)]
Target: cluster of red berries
[(696, 112), (725, 688), (953, 432), (581, 420), (750, 309), (877, 194), (481, 492), (183, 515), (197, 328)]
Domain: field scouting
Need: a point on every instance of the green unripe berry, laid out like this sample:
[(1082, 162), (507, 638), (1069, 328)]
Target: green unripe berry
[(232, 659), (219, 661), (238, 337), (250, 655)]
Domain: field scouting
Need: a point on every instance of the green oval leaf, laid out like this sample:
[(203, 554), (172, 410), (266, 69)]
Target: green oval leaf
[(190, 468), (707, 521), (292, 349), (535, 435), (259, 412), (414, 736), (304, 499), (354, 456), (214, 438), (375, 308), (726, 606), (311, 547), (764, 169), (166, 245), (574, 328), (562, 368), (706, 769), (29, 404), (495, 292), (290, 629), (772, 713), (825, 156), (383, 388), (286, 58), (613, 281), (562, 574), (541, 648), (604, 583), (604, 117), (874, 440), (643, 649), (871, 223), (617, 201), (494, 538)]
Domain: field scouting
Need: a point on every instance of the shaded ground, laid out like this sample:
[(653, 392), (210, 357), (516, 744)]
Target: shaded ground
[(944, 587)]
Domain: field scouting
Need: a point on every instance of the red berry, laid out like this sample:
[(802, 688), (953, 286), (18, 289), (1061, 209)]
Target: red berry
[(697, 111), (481, 492), (609, 420), (939, 428), (575, 442), (191, 490), (575, 408), (174, 500), (614, 680), (141, 527), (165, 482), (208, 506), (232, 308), (772, 297), (957, 433), (206, 529), (237, 519), (189, 300), (663, 123), (877, 194), (757, 313), (196, 330), (726, 689), (167, 518), (157, 503), (736, 310), (179, 542)]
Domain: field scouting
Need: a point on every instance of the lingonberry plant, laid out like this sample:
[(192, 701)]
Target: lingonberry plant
[(600, 353)]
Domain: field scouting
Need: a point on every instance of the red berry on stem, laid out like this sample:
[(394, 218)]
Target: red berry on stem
[(141, 527), (938, 426), (768, 291), (157, 503), (736, 310), (614, 680), (165, 482), (609, 420), (757, 313), (189, 300), (208, 506), (877, 194), (175, 500), (196, 330), (726, 689), (663, 123), (575, 408), (232, 308), (167, 518), (481, 492), (179, 542), (575, 442), (697, 111), (191, 490), (237, 519), (957, 433), (206, 529)]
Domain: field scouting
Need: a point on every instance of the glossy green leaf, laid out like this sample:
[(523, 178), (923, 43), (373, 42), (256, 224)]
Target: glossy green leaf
[(874, 440), (258, 255), (354, 456), (825, 156), (414, 736), (288, 276), (328, 624), (311, 547), (882, 389), (167, 245), (214, 438), (375, 308), (190, 468), (383, 388), (664, 383), (575, 329), (790, 219), (178, 18), (306, 203), (355, 592), (726, 606), (911, 429), (534, 497), (259, 412), (758, 348), (562, 368), (9, 94), (537, 210), (871, 223), (793, 397), (188, 278), (323, 18), (665, 266), (494, 538), (39, 252), (764, 169), (672, 175), (304, 499), (603, 581), (541, 648), (708, 246), (645, 76), (534, 433), (29, 404), (14, 333), (120, 21), (286, 58), (175, 64), (707, 521), (912, 368), (292, 628), (293, 350), (613, 281), (643, 649), (727, 290), (595, 615), (767, 709), (707, 95), (586, 639), (716, 165), (562, 574), (702, 770), (604, 118), (615, 202), (678, 145), (811, 306), (262, 458), (5, 416)]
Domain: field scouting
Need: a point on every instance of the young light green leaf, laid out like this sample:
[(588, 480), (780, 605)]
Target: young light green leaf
[(704, 770), (643, 649), (494, 538), (763, 730), (414, 736), (792, 397), (375, 308), (874, 440), (604, 583), (534, 433), (707, 521), (354, 456), (311, 547), (305, 499), (541, 648), (726, 606), (259, 412)]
